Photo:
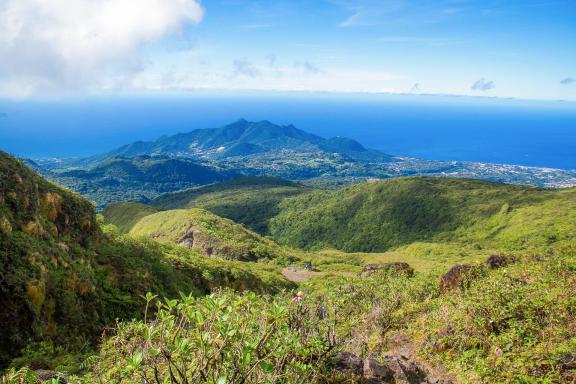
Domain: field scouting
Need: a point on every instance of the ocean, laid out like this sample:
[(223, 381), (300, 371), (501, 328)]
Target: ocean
[(535, 133)]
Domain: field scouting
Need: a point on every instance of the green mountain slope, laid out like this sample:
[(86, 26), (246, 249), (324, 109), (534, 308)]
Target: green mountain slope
[(63, 279), (243, 138), (382, 215), (125, 215), (139, 178), (251, 201), (210, 234)]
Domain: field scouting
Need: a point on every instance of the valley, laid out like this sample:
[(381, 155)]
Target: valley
[(375, 258)]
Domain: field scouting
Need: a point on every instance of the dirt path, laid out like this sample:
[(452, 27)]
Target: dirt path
[(301, 275)]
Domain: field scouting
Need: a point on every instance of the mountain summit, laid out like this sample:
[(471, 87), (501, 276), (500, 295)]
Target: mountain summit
[(244, 138)]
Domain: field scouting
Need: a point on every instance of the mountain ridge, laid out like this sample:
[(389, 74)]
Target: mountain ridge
[(264, 149), (244, 138)]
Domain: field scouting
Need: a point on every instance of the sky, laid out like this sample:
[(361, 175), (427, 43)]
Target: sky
[(500, 48)]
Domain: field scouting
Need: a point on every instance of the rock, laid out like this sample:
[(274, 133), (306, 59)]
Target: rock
[(405, 370), (377, 372), (390, 368), (568, 361), (349, 363), (47, 375), (456, 277), (396, 267), (498, 261)]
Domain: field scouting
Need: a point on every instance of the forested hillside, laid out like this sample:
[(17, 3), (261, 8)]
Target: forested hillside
[(140, 178), (382, 215)]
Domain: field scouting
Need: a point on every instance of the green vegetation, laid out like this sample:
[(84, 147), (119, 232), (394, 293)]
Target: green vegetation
[(125, 215), (511, 325), (210, 234), (66, 277), (140, 178), (514, 325), (222, 338), (251, 201), (382, 215)]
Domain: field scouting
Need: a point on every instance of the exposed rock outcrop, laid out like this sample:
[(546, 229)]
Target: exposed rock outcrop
[(397, 267), (50, 376), (391, 368), (498, 261), (348, 363), (457, 277)]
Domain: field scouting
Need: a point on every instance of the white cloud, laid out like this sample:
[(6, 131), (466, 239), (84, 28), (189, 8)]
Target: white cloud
[(248, 75), (483, 85), (58, 46), (568, 81)]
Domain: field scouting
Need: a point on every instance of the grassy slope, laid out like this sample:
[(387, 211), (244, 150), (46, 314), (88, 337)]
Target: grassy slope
[(383, 215), (126, 215), (210, 234), (512, 325), (251, 201)]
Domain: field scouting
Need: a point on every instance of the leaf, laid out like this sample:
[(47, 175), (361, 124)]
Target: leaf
[(266, 367)]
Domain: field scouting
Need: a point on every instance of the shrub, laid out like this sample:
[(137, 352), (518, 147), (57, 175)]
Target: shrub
[(225, 337)]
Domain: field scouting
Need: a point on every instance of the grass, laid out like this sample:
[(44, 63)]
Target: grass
[(210, 234), (125, 215), (251, 201)]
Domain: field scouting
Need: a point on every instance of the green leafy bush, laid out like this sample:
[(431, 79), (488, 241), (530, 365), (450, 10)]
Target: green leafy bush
[(221, 338)]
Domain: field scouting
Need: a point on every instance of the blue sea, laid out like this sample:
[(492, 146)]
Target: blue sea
[(536, 133)]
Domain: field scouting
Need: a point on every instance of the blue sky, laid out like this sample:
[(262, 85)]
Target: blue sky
[(503, 48)]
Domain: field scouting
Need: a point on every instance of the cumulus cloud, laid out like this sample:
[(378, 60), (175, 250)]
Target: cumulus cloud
[(245, 68), (568, 81), (483, 85), (63, 45)]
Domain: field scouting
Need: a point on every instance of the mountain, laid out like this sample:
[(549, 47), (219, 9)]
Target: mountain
[(142, 171), (139, 178), (266, 149), (251, 201), (378, 216), (64, 279), (244, 138)]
